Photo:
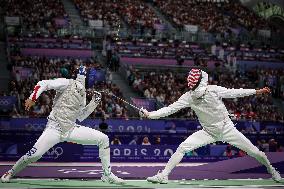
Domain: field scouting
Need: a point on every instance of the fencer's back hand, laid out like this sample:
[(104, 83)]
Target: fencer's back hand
[(97, 97), (28, 104), (143, 113), (265, 90)]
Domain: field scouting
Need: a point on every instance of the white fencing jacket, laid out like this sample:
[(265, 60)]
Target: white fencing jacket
[(69, 103), (206, 101)]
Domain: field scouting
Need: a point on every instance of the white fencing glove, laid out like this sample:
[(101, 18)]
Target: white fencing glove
[(97, 97), (143, 112)]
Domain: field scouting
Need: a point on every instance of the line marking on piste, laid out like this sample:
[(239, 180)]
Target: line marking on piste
[(83, 164)]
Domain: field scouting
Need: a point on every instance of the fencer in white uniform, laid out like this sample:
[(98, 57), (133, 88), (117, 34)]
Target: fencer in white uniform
[(69, 105), (206, 101)]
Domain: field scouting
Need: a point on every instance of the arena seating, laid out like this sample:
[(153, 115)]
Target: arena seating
[(38, 14), (212, 16), (158, 49), (135, 13), (49, 43), (244, 16), (106, 11), (138, 15), (224, 17), (253, 53), (53, 47), (173, 52)]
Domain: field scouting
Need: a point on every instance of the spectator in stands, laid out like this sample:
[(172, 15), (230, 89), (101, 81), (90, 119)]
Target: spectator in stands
[(280, 148), (172, 128), (115, 141), (157, 140), (191, 153), (273, 146), (263, 131), (263, 145), (241, 153), (103, 126), (146, 141), (281, 82), (250, 127), (114, 62), (99, 112), (229, 152), (179, 60), (15, 113), (221, 53), (109, 50), (213, 49)]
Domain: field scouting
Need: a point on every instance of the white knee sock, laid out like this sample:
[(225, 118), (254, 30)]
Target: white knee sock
[(173, 161), (23, 162), (20, 165), (104, 154), (262, 158)]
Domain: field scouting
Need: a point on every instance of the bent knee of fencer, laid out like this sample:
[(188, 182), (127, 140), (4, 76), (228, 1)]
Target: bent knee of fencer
[(182, 148), (104, 142)]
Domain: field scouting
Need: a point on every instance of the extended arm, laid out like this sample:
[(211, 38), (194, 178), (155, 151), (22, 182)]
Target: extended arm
[(235, 93), (182, 102), (44, 85), (87, 110)]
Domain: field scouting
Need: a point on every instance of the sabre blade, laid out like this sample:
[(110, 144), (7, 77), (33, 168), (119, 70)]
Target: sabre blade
[(110, 93), (126, 102), (129, 104)]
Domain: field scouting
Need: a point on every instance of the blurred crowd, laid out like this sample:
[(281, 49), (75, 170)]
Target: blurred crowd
[(270, 145), (167, 87), (244, 16), (211, 16), (36, 14), (136, 13), (105, 10), (152, 48), (174, 49), (248, 52), (184, 12)]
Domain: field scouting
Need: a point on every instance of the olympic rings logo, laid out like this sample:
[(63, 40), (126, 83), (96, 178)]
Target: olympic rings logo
[(34, 126), (55, 151), (4, 102)]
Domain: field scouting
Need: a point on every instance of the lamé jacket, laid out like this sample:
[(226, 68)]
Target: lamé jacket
[(69, 103), (206, 101)]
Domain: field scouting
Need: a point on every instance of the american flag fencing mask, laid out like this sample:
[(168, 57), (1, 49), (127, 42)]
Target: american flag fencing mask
[(194, 78)]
